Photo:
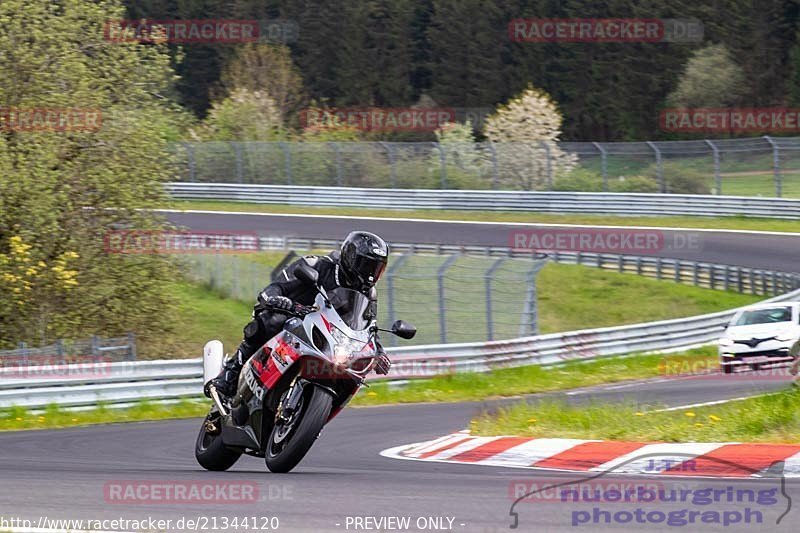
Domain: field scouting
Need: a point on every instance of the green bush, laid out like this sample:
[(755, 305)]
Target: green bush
[(633, 184), (580, 180), (679, 179)]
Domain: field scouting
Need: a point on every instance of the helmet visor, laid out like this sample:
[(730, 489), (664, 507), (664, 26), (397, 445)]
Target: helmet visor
[(369, 269)]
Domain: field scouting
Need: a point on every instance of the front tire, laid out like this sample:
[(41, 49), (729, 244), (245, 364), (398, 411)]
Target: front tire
[(288, 445), (209, 449)]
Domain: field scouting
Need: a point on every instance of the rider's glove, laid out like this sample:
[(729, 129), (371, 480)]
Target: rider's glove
[(382, 363), (280, 303)]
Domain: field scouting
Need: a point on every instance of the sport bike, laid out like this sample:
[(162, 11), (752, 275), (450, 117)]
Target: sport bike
[(295, 384)]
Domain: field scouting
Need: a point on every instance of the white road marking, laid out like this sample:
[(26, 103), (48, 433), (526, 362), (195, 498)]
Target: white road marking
[(476, 222)]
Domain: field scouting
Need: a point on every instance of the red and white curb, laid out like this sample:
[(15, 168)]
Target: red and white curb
[(730, 460)]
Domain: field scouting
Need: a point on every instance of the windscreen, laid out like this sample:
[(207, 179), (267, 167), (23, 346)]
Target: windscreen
[(765, 316), (351, 306)]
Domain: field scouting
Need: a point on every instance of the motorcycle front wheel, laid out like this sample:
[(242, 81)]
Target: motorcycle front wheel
[(291, 439), (209, 449)]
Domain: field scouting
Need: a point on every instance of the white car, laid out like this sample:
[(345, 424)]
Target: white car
[(760, 334)]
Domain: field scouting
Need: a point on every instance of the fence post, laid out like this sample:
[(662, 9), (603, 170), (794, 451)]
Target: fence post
[(548, 159), (531, 305), (488, 283), (287, 161), (336, 151), (603, 165), (191, 162), (131, 347), (237, 148), (390, 273), (60, 350), (442, 165), (776, 165), (495, 172), (717, 176), (659, 167), (95, 347), (442, 317), (392, 166)]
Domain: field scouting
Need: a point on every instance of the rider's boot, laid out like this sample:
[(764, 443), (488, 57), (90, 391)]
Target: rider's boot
[(228, 379)]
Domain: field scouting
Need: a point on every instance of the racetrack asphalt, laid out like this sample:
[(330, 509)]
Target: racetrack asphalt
[(62, 473), (753, 250), (66, 473)]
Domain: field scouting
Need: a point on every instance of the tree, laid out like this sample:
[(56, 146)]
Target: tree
[(711, 79), (245, 115), (267, 70), (63, 189), (524, 132)]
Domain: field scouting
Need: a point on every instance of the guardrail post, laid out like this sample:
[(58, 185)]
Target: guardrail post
[(774, 283), (392, 166), (237, 149), (442, 316), (659, 167), (603, 165), (694, 274), (287, 161), (339, 179), (712, 274), (677, 273), (131, 347), (752, 281), (776, 165), (442, 165), (739, 280), (620, 264), (638, 266), (390, 273), (727, 277), (658, 268), (488, 283), (495, 171), (717, 175)]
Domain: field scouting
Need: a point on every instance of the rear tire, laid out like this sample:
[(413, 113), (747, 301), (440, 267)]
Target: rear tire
[(210, 451), (282, 457)]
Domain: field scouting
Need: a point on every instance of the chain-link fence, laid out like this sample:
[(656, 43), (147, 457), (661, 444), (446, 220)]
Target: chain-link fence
[(757, 166), (67, 351), (450, 298)]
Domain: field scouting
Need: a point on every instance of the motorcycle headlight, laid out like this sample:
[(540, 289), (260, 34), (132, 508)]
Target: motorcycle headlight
[(345, 347), (726, 341)]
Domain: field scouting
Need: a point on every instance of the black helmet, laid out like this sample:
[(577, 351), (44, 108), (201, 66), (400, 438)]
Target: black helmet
[(363, 258)]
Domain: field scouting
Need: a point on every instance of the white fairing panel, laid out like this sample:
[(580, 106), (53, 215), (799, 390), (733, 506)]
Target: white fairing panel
[(213, 355)]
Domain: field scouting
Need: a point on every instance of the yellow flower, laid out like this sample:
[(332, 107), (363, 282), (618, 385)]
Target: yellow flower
[(698, 425), (714, 418), (74, 419), (639, 413), (370, 393), (531, 420), (689, 414)]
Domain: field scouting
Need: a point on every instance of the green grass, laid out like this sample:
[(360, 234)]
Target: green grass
[(17, 418), (460, 387), (736, 223), (532, 379), (769, 418), (571, 297)]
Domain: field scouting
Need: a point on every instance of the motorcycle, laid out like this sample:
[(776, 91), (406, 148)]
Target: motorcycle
[(295, 384)]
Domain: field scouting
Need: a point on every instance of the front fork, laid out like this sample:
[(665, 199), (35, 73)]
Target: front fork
[(290, 401)]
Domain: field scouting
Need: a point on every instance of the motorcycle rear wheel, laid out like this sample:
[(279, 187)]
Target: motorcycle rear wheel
[(209, 449), (288, 445)]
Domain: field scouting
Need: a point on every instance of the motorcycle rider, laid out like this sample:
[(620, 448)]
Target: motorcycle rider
[(357, 265)]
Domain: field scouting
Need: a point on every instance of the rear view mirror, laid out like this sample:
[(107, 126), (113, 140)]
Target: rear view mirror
[(404, 330), (306, 274)]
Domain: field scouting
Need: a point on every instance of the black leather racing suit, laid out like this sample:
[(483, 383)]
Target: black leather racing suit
[(267, 322)]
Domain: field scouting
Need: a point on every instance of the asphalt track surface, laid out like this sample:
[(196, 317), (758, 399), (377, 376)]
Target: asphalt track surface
[(754, 250), (66, 474)]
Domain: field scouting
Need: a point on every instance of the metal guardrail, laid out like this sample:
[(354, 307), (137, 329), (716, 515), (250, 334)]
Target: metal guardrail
[(86, 350), (629, 204), (168, 380)]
